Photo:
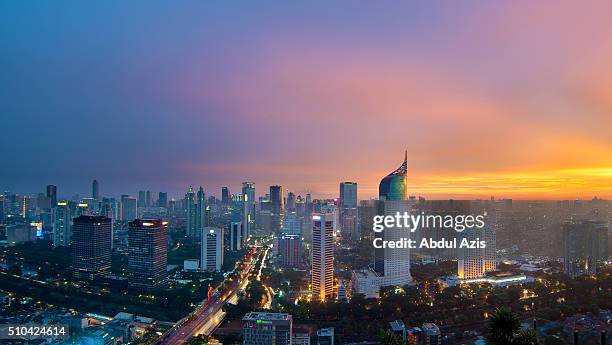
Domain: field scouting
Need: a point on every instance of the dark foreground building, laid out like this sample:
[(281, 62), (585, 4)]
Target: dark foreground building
[(148, 254), (91, 246)]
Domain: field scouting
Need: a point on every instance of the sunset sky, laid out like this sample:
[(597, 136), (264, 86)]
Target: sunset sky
[(489, 98)]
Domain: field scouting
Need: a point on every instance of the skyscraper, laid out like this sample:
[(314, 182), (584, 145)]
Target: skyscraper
[(162, 200), (585, 243), (248, 221), (225, 197), (148, 253), (236, 233), (95, 190), (477, 262), (62, 224), (267, 328), (211, 254), (277, 204), (290, 250), (322, 256), (52, 194), (394, 186), (149, 199), (199, 220), (348, 210), (142, 198), (129, 208), (190, 213), (91, 246)]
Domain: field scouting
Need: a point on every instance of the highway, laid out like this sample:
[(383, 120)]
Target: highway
[(208, 315)]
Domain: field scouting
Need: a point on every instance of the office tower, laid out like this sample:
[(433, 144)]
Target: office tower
[(199, 217), (475, 263), (52, 194), (260, 328), (323, 256), (348, 210), (129, 208), (62, 224), (325, 336), (585, 243), (290, 250), (290, 202), (277, 199), (25, 207), (142, 198), (162, 199), (225, 196), (147, 254), (393, 264), (207, 216), (190, 213), (149, 199), (394, 186), (2, 208), (91, 246), (292, 225), (431, 334), (236, 231), (248, 191), (277, 208), (211, 254), (95, 190)]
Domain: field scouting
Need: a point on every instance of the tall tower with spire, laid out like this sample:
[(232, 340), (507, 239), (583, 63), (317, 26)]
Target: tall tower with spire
[(395, 185)]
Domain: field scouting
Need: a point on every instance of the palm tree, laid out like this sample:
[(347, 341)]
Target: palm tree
[(504, 328)]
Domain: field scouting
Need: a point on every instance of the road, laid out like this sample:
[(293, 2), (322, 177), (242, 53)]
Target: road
[(208, 315)]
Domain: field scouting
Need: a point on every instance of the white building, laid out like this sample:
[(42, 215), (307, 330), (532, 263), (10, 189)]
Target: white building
[(322, 256), (211, 254)]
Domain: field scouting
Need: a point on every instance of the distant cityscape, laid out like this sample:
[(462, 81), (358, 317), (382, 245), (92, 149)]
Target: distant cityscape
[(281, 268)]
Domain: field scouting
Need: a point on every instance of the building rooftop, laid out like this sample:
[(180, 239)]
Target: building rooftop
[(397, 325), (254, 316)]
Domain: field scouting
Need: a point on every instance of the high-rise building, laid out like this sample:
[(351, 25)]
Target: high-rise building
[(147, 254), (322, 257), (95, 190), (395, 186), (211, 254), (290, 250), (236, 231), (200, 210), (91, 246), (162, 199), (267, 328), (290, 202), (149, 199), (190, 213), (475, 263), (248, 192), (585, 243), (277, 205), (62, 224), (348, 210), (225, 197), (292, 225), (129, 208), (52, 194), (142, 198)]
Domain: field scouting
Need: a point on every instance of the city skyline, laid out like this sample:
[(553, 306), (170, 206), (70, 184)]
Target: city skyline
[(489, 99)]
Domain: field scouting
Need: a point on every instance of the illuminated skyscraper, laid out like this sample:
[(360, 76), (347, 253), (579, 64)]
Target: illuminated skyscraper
[(91, 246), (95, 190), (211, 254), (142, 198), (348, 210), (190, 213), (62, 224), (277, 203), (290, 250), (322, 256), (477, 262), (148, 254)]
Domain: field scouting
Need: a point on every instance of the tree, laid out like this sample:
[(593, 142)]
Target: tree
[(504, 328), (388, 338)]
